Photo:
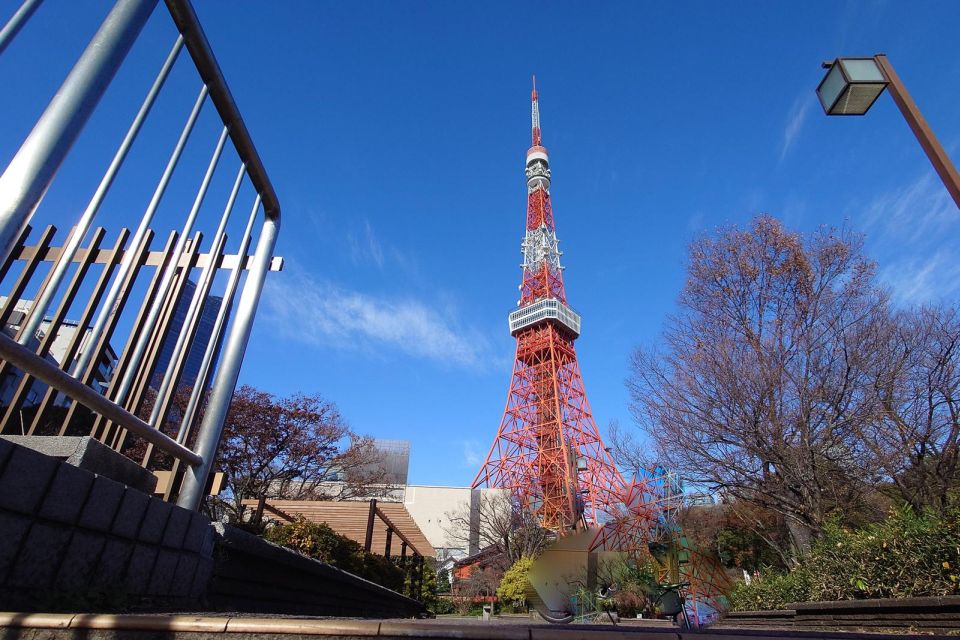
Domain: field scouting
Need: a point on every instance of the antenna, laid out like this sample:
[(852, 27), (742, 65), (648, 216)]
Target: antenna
[(535, 114)]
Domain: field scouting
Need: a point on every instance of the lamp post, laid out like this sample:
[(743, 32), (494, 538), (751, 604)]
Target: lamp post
[(852, 85)]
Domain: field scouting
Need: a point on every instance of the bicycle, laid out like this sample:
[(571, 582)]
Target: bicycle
[(673, 602)]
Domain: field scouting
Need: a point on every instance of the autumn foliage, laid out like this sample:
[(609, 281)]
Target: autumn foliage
[(298, 447)]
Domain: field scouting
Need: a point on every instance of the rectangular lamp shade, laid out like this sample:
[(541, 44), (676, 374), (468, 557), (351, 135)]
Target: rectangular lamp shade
[(851, 86)]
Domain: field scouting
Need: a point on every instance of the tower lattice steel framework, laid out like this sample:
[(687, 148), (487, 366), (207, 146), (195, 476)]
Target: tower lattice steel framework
[(548, 450)]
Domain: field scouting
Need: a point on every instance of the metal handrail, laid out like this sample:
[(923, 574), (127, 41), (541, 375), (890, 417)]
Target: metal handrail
[(30, 173), (56, 377), (206, 63)]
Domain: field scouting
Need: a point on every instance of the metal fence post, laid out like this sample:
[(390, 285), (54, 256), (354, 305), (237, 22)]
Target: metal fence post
[(32, 169), (59, 271), (203, 375), (16, 22), (110, 308), (211, 429)]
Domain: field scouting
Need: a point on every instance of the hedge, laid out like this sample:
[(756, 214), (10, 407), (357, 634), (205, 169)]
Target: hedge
[(906, 555), (319, 541)]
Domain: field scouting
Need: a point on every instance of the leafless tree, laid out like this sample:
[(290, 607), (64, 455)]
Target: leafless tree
[(500, 522), (630, 455), (916, 381), (759, 390)]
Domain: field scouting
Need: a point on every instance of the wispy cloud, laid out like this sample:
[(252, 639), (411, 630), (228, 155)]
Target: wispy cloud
[(924, 279), (472, 455), (907, 231), (795, 120), (321, 313), (364, 246)]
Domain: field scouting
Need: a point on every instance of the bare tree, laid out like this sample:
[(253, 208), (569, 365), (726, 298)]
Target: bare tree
[(759, 390), (630, 455), (916, 379), (498, 522)]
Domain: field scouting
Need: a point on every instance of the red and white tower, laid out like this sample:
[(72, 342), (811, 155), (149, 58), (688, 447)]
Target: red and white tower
[(548, 450)]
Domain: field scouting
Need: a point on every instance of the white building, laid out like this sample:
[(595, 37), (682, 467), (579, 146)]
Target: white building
[(430, 507), (57, 354)]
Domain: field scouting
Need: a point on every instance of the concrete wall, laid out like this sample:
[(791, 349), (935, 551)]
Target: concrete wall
[(903, 615), (429, 507), (69, 537)]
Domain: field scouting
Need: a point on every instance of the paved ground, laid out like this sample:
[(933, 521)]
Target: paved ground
[(66, 626)]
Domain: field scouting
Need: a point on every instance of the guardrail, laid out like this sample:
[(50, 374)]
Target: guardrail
[(66, 374)]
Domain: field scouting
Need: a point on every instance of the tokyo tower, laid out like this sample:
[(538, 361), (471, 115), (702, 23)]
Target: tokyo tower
[(548, 450)]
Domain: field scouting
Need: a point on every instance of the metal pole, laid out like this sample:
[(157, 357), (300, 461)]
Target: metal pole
[(32, 169), (196, 306), (119, 394), (16, 22), (187, 23), (45, 297), (204, 373), (208, 441), (129, 257), (931, 146)]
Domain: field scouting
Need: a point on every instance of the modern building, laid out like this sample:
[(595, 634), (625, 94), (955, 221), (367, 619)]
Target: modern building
[(208, 317), (394, 458), (432, 509)]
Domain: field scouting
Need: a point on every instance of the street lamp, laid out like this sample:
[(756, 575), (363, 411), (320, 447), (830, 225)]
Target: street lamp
[(852, 85)]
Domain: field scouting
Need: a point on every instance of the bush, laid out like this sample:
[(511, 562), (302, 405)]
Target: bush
[(906, 555), (442, 606), (771, 591), (636, 587), (319, 541), (443, 581), (515, 582)]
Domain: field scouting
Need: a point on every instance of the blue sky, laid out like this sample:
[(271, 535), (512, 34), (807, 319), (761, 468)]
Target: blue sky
[(395, 135)]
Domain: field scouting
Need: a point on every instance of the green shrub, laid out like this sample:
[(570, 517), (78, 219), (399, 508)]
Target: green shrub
[(319, 541), (442, 606), (515, 582), (771, 591), (906, 555)]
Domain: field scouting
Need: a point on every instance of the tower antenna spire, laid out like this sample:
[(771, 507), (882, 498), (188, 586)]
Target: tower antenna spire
[(535, 114)]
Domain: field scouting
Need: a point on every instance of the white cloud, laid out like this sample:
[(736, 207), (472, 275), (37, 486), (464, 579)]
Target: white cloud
[(909, 231), (695, 222), (321, 313), (798, 114), (364, 246), (924, 279)]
